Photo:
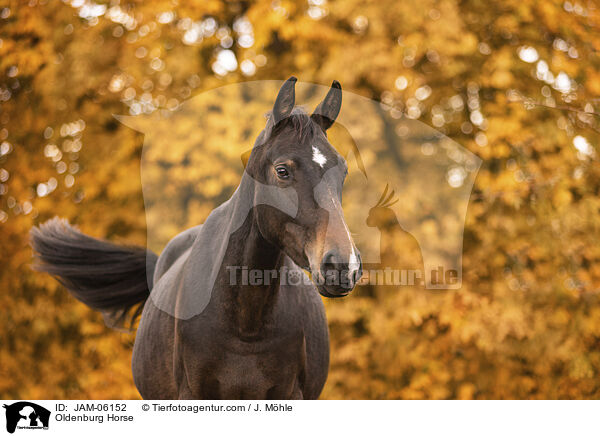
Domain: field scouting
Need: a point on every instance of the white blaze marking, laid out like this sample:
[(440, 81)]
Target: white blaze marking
[(318, 157), (353, 263)]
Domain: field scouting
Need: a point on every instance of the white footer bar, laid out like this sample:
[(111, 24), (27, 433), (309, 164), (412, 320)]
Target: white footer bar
[(299, 417)]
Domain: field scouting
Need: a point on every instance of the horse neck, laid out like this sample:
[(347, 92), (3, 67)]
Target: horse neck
[(248, 308)]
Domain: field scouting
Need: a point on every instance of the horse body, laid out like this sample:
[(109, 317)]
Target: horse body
[(203, 333), (196, 359), (279, 350)]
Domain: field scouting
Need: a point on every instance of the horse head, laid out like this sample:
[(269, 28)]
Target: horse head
[(293, 152)]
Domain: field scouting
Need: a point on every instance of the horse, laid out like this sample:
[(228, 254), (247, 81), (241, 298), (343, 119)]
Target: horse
[(204, 331)]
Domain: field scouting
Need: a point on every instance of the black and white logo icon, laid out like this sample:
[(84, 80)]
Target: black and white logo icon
[(26, 415)]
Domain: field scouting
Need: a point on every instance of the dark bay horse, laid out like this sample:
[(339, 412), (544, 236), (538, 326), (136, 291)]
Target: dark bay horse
[(206, 331)]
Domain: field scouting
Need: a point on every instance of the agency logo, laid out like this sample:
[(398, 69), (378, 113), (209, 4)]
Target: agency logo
[(26, 415), (406, 188)]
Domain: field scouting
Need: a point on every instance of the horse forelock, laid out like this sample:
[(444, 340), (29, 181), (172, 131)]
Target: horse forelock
[(299, 125)]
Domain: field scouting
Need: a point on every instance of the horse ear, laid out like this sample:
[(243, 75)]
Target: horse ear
[(285, 100), (328, 110)]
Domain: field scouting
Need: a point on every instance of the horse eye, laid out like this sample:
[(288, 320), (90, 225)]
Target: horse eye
[(282, 172)]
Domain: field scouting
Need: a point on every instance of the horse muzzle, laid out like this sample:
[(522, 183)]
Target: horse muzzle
[(337, 278)]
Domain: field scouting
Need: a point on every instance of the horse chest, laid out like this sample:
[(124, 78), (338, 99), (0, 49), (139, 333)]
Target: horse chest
[(268, 369), (258, 376)]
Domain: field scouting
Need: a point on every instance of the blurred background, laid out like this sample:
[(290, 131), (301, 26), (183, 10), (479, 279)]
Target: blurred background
[(514, 82)]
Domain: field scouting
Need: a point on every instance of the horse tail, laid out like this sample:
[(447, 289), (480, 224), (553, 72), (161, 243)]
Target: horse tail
[(107, 277)]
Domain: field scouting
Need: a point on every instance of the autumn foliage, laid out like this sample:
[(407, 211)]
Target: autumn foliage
[(514, 82)]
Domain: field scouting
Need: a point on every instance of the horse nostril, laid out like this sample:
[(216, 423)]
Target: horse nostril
[(339, 273), (356, 275), (330, 262)]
